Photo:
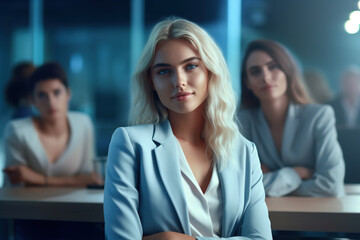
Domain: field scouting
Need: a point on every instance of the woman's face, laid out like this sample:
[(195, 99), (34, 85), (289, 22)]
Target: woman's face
[(264, 77), (51, 98), (179, 76)]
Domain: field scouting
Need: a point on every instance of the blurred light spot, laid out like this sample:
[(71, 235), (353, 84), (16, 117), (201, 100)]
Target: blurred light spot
[(258, 18), (76, 63), (355, 17), (351, 27), (359, 4)]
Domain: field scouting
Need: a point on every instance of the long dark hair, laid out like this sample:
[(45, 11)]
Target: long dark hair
[(296, 90), (16, 89), (49, 70)]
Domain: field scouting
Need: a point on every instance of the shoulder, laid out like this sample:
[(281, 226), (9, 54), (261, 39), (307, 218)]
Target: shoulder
[(315, 110), (135, 134), (78, 116), (80, 120), (245, 144), (316, 115), (18, 127), (244, 149)]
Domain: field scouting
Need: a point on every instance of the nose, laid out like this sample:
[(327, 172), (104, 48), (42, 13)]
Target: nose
[(266, 75), (179, 79), (51, 101)]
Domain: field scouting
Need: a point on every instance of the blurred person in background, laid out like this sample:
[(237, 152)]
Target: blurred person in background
[(317, 86), (347, 104), (55, 147), (16, 91), (296, 140)]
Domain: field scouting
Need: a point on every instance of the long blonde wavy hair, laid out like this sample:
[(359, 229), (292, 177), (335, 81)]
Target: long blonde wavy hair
[(220, 129)]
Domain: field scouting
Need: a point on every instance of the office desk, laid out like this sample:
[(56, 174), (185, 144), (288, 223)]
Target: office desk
[(62, 204), (315, 214), (352, 189), (86, 205)]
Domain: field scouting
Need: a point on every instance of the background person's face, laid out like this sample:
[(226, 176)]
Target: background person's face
[(264, 77), (51, 99), (351, 86)]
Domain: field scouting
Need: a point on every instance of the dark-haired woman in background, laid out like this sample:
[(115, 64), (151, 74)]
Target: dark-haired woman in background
[(56, 147), (296, 140), (16, 91)]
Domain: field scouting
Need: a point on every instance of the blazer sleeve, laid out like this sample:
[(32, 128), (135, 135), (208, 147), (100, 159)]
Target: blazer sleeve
[(329, 172), (121, 197), (281, 182), (255, 220)]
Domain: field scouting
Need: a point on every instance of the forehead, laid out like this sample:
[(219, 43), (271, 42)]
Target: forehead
[(174, 51), (258, 58), (48, 84)]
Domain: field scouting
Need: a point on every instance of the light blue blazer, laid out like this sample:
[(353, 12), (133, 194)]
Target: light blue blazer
[(144, 194), (309, 140)]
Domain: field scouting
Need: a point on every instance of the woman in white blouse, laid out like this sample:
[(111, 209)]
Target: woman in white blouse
[(55, 147), (184, 171)]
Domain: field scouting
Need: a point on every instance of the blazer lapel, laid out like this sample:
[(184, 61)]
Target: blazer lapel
[(268, 141), (231, 189), (291, 125), (167, 160)]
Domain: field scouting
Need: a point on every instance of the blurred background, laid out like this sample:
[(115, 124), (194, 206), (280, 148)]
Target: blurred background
[(98, 43)]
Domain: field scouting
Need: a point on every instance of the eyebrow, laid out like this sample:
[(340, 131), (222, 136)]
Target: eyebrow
[(182, 62), (268, 63)]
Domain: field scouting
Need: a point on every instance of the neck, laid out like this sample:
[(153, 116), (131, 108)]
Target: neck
[(188, 126), (53, 127), (275, 111)]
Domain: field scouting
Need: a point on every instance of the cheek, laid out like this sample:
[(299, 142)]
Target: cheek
[(157, 86), (201, 80), (251, 85), (284, 82)]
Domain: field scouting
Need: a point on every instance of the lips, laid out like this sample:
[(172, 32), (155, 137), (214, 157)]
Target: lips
[(181, 96), (52, 111), (267, 87)]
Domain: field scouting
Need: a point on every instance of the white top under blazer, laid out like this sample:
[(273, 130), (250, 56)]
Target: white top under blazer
[(205, 209)]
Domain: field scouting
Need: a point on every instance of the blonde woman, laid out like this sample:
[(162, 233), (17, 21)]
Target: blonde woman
[(183, 171)]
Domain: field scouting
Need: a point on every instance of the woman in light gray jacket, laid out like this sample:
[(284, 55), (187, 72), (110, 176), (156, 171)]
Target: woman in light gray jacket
[(296, 140)]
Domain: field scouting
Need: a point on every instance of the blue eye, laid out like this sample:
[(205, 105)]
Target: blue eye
[(191, 66), (163, 71)]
